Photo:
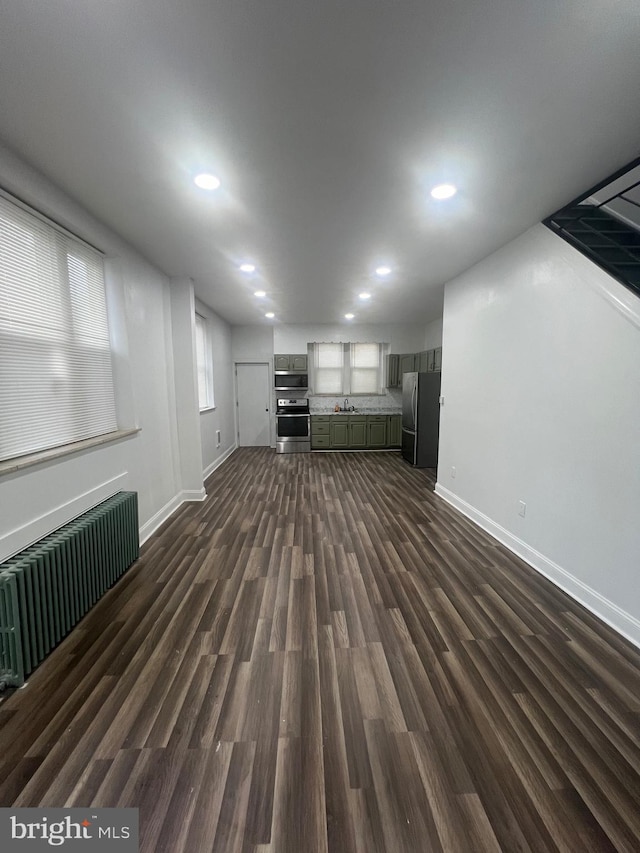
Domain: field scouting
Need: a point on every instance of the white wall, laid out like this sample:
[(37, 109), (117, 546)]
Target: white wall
[(541, 386), (400, 337), (221, 417), (38, 499), (259, 343), (433, 334), (252, 343)]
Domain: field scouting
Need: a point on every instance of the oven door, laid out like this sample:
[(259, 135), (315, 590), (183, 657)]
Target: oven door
[(292, 426), (293, 433)]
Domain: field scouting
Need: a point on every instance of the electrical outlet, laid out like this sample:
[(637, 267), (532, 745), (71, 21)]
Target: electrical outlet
[(218, 439), (522, 508), (453, 470)]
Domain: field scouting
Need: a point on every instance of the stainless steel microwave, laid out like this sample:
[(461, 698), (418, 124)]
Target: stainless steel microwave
[(287, 381)]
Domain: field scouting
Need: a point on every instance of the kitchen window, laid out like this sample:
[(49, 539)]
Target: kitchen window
[(56, 380), (347, 368), (204, 359)]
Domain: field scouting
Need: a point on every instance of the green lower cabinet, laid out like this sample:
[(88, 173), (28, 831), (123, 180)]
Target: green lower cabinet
[(320, 442), (395, 431), (340, 432), (377, 430), (320, 432), (355, 432)]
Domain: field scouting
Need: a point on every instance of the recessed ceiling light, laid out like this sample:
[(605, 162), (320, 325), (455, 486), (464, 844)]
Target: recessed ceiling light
[(443, 191), (260, 293), (270, 315), (206, 181), (348, 316), (364, 295), (383, 271), (247, 267)]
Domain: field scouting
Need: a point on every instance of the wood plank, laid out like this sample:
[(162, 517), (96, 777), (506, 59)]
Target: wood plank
[(323, 656)]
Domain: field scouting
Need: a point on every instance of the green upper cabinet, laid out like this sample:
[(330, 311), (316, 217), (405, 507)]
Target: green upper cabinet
[(297, 363), (407, 364), (399, 364), (430, 360), (393, 370)]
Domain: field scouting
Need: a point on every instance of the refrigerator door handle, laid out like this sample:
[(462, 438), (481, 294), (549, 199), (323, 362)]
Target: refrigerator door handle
[(414, 405)]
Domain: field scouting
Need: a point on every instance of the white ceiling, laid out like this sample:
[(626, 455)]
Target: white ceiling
[(327, 121)]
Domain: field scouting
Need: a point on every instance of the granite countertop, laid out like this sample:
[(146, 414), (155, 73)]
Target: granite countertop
[(363, 411)]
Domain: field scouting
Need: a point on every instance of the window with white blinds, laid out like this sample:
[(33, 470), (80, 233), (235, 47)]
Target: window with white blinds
[(204, 362), (56, 381), (340, 368), (328, 362), (366, 364)]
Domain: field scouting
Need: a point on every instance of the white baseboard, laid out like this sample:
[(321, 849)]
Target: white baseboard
[(150, 527), (35, 529), (621, 621), (192, 495), (157, 520), (218, 462)]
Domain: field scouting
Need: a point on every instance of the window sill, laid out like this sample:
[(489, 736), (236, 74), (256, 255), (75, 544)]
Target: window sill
[(9, 466), (207, 409)]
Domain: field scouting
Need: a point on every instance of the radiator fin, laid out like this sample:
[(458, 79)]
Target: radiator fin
[(47, 588)]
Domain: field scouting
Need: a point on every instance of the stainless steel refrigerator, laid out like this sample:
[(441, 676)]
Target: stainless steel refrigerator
[(420, 418)]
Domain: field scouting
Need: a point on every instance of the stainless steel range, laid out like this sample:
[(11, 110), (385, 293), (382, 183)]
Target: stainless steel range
[(293, 426)]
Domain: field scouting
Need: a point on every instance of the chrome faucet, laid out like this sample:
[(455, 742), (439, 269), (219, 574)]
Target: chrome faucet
[(346, 404)]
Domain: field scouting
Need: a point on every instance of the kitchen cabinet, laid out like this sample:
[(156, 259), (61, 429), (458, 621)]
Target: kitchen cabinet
[(430, 361), (348, 432), (393, 370), (377, 430), (320, 431), (293, 363), (340, 432), (355, 432), (397, 364), (394, 435), (407, 364)]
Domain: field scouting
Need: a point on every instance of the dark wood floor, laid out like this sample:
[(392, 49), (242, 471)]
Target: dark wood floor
[(324, 656)]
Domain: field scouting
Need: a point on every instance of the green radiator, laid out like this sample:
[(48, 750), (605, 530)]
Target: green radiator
[(47, 588)]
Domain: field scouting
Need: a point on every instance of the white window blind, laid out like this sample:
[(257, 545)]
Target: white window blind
[(328, 368), (56, 381), (340, 368), (366, 369), (204, 363)]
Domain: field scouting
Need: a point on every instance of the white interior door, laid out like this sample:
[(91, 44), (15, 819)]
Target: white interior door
[(254, 396)]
